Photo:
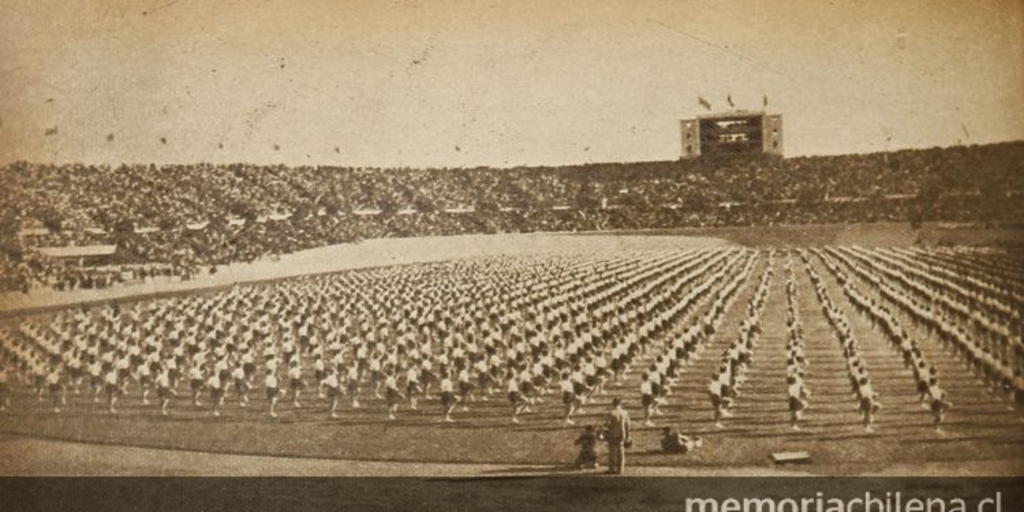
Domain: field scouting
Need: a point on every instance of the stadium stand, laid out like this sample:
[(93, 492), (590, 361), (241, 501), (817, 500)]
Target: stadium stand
[(179, 220)]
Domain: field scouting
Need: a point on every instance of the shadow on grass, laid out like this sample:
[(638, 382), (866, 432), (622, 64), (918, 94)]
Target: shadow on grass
[(559, 469)]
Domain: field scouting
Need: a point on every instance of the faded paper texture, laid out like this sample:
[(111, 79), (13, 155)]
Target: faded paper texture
[(439, 238)]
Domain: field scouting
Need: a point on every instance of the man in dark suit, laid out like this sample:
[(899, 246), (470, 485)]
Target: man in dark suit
[(617, 435)]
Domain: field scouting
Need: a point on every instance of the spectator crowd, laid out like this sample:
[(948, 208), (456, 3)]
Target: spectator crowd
[(190, 218)]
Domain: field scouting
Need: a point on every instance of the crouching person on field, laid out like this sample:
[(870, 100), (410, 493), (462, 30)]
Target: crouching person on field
[(674, 442), (587, 441)]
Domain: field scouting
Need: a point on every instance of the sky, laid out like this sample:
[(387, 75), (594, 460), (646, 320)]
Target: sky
[(451, 83)]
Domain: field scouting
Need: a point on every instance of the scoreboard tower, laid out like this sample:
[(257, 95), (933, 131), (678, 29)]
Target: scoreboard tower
[(739, 132)]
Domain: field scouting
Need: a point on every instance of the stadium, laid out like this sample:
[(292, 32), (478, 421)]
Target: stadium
[(850, 313), (598, 296)]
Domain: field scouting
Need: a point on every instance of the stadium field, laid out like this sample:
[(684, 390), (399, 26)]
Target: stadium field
[(367, 254), (982, 431), (397, 251)]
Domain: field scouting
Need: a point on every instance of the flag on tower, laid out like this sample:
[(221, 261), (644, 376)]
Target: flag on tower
[(704, 103)]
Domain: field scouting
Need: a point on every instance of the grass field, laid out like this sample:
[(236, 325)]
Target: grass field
[(882, 234), (980, 428)]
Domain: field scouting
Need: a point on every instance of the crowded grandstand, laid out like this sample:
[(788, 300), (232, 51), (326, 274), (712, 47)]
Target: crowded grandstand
[(177, 221)]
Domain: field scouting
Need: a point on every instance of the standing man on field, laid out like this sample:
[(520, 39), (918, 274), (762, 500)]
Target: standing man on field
[(617, 435)]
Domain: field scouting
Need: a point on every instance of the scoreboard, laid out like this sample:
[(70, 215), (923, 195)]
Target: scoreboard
[(732, 133)]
